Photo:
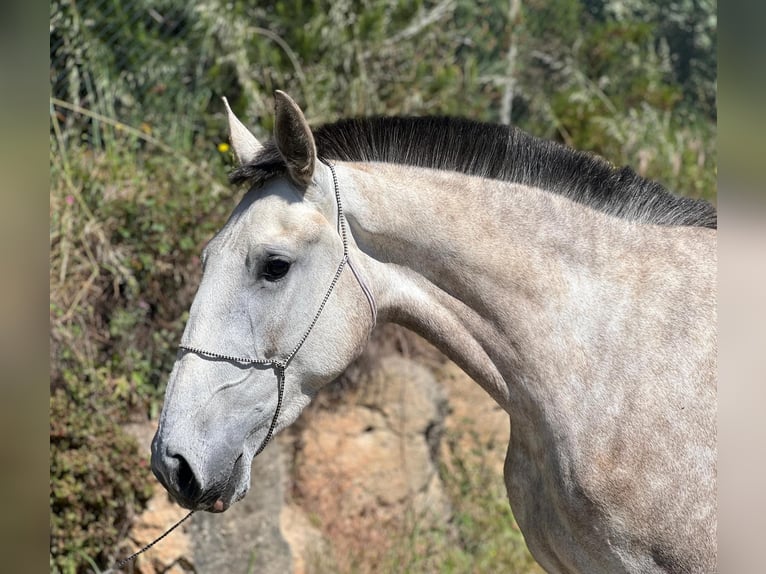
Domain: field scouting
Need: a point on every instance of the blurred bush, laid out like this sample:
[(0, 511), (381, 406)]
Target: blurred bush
[(96, 483), (125, 231)]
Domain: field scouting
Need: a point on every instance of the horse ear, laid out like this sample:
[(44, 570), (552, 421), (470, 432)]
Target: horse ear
[(294, 139), (246, 146)]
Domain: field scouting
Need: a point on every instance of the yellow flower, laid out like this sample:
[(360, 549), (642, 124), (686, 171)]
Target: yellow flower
[(223, 147)]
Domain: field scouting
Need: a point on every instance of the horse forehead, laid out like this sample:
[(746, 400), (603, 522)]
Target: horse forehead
[(269, 220)]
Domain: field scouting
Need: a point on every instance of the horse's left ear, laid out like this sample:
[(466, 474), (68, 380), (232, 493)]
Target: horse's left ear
[(294, 139)]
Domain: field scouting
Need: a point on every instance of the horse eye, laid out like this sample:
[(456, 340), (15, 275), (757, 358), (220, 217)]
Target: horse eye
[(275, 269)]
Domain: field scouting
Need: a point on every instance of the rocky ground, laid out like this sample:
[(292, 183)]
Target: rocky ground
[(353, 477)]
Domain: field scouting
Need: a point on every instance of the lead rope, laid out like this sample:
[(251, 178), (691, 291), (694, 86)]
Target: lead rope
[(279, 365), (135, 555)]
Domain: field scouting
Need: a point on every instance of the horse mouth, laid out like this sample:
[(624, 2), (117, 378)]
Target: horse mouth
[(232, 492)]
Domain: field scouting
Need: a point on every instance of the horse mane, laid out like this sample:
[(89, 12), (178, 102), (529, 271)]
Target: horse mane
[(497, 152)]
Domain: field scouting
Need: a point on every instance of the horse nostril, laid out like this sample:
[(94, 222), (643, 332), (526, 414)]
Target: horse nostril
[(187, 483)]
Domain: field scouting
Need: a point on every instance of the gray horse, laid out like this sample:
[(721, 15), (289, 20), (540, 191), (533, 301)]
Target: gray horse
[(581, 297)]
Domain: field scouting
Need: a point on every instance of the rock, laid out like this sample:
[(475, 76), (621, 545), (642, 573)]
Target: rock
[(172, 552), (366, 469), (478, 429), (310, 550)]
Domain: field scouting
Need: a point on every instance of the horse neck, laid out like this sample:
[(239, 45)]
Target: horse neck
[(515, 284)]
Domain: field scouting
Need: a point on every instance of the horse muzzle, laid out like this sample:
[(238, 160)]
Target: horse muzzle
[(212, 485)]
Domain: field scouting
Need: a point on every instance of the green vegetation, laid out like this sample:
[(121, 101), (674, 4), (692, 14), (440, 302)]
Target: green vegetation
[(96, 482), (138, 181), (126, 228), (483, 537), (489, 540)]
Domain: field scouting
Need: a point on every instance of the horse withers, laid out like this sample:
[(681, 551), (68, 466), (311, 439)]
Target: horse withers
[(581, 297)]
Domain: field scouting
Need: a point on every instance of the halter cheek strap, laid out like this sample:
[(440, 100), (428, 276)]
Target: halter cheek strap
[(280, 365), (366, 291)]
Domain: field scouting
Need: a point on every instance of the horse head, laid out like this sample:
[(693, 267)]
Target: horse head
[(274, 319)]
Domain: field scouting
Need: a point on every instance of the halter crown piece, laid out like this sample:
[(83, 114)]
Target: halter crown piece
[(280, 365)]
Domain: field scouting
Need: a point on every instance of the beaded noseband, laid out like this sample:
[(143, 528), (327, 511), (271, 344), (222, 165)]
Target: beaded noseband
[(280, 365)]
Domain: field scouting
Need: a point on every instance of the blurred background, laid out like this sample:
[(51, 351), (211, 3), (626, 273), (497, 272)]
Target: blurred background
[(139, 159)]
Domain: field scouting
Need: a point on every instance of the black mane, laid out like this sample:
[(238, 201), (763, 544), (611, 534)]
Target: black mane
[(495, 152)]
